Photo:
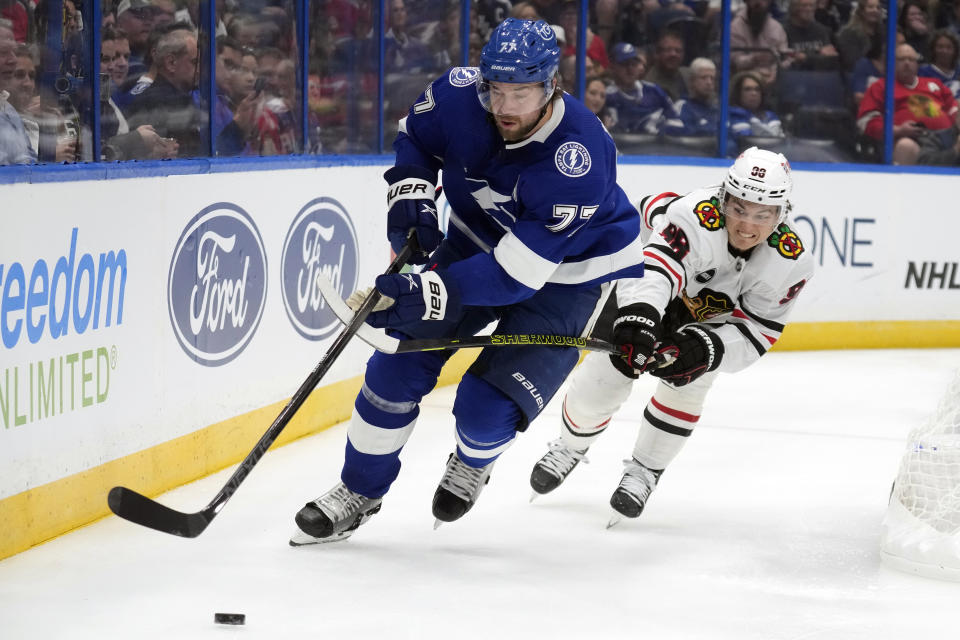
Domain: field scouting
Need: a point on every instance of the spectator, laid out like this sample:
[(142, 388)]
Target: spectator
[(444, 42), (748, 114), (811, 43), (828, 14), (951, 17), (944, 59), (237, 71), (356, 53), (914, 24), (14, 143), (118, 141), (16, 13), (253, 31), (699, 113), (595, 98), (168, 103), (666, 70), (868, 70), (235, 77), (631, 25), (164, 13), (44, 126), (596, 49), (121, 60), (172, 106), (404, 53), (760, 38), (135, 18), (524, 11), (136, 84), (924, 114), (276, 125), (568, 72), (854, 40), (636, 106), (604, 15)]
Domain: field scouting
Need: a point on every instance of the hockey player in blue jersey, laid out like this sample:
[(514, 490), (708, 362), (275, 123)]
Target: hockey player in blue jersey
[(538, 228)]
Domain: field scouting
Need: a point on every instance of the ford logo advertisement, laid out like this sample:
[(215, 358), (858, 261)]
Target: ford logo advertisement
[(217, 286), (321, 241)]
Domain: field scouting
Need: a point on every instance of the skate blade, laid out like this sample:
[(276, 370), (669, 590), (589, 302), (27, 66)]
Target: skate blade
[(534, 495), (437, 523), (301, 539), (614, 519)]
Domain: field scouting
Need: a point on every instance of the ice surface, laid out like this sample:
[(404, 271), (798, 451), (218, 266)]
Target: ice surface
[(765, 527)]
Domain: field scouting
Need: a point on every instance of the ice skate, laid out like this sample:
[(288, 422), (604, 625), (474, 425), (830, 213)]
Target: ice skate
[(554, 467), (629, 499), (333, 516), (459, 488)]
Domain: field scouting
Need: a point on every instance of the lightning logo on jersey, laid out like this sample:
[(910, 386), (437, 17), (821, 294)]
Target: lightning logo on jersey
[(490, 201)]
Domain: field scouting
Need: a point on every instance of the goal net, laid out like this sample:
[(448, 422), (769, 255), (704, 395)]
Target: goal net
[(921, 529)]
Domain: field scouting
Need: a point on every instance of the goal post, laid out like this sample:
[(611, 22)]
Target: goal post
[(921, 529)]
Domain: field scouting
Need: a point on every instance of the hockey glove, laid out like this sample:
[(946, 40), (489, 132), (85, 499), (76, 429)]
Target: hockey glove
[(411, 205), (417, 296), (636, 330), (695, 351)]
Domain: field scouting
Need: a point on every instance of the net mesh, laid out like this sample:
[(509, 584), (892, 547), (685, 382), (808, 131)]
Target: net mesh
[(928, 483)]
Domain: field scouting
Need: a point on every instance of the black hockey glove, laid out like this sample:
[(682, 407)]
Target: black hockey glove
[(694, 349), (411, 204), (636, 329)]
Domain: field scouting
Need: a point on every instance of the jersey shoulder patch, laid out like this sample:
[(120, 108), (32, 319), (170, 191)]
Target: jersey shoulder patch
[(786, 242), (572, 159), (707, 212), (463, 76)]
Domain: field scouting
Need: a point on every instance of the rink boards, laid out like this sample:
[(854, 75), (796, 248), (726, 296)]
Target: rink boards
[(153, 327)]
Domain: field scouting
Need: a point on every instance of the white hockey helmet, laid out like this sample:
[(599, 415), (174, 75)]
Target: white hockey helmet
[(762, 177)]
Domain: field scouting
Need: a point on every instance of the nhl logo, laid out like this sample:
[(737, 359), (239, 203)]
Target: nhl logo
[(572, 159), (463, 76)]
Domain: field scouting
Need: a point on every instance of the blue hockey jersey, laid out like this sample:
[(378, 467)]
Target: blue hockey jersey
[(542, 212)]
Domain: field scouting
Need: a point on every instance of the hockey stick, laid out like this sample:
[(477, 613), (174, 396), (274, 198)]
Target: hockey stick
[(137, 508), (380, 341)]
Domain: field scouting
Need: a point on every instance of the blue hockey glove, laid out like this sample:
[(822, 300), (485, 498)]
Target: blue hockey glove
[(636, 330), (417, 297), (695, 351), (411, 204)]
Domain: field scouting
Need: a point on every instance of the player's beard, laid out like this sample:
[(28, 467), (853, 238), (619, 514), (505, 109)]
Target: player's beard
[(520, 134)]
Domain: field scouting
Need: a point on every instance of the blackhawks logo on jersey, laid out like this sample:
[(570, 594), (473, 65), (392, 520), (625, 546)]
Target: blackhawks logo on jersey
[(786, 242), (709, 214), (708, 304)]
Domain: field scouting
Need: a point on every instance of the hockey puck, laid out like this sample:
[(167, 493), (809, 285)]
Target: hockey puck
[(229, 618)]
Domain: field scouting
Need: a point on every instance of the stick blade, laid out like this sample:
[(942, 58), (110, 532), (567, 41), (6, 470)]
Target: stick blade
[(139, 509)]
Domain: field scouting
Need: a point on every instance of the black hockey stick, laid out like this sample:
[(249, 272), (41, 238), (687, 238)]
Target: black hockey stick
[(380, 341), (499, 340), (137, 508)]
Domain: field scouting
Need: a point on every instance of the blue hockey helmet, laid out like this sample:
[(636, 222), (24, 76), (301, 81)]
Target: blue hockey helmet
[(519, 52)]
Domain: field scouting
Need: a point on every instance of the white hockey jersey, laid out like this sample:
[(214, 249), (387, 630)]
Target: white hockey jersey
[(693, 275)]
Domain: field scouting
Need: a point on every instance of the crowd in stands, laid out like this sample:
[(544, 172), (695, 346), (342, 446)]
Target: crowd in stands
[(805, 72)]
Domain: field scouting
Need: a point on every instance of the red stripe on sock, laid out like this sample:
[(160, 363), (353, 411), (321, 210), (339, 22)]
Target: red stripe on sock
[(574, 424), (680, 415)]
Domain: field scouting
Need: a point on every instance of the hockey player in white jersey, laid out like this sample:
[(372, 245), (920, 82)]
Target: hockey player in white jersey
[(724, 267)]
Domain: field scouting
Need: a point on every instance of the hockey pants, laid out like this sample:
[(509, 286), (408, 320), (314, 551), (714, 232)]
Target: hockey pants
[(597, 391)]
